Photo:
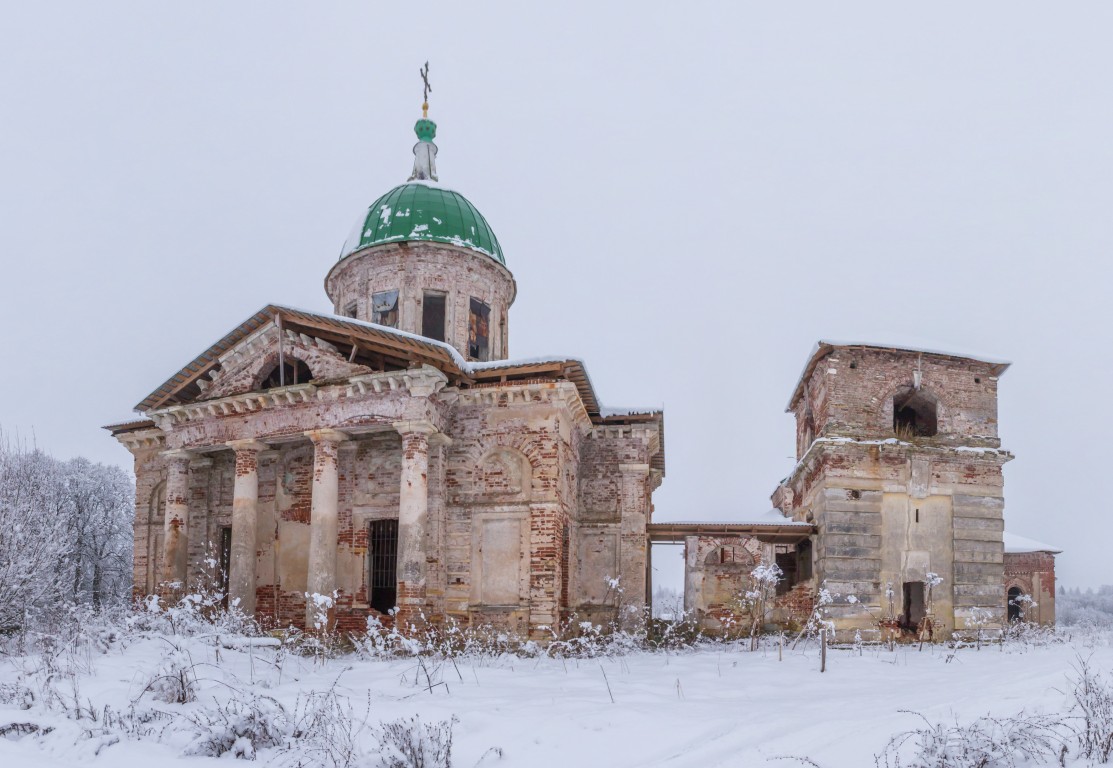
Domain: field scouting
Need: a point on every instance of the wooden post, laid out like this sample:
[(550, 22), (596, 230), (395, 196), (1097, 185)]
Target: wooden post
[(823, 651)]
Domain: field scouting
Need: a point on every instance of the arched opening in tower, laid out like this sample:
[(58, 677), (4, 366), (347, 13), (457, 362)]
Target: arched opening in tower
[(915, 414)]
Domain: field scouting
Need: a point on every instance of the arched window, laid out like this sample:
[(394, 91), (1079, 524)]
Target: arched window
[(915, 414), (296, 372)]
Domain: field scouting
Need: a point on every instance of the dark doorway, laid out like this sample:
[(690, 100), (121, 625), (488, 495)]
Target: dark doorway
[(382, 554), (225, 561), (786, 561), (913, 604), (432, 316), (1014, 606)]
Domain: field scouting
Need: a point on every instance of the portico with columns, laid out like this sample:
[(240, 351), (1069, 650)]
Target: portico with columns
[(388, 452)]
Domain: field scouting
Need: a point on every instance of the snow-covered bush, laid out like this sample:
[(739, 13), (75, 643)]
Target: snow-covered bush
[(1093, 707), (240, 726), (758, 599), (327, 729), (200, 611), (175, 680), (410, 743), (988, 742)]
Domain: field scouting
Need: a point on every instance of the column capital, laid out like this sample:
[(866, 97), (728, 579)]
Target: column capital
[(179, 454), (248, 444), (415, 427), (326, 435), (634, 469)]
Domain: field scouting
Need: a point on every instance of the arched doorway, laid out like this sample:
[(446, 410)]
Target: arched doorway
[(1014, 605)]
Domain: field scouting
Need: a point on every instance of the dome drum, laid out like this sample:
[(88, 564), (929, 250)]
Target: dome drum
[(462, 294)]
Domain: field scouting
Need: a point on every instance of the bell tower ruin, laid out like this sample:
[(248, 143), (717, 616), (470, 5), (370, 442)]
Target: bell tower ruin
[(899, 468)]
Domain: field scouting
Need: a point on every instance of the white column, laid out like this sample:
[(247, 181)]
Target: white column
[(413, 518), (175, 541), (323, 515), (245, 504)]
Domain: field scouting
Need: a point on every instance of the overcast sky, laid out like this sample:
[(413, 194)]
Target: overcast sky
[(689, 197)]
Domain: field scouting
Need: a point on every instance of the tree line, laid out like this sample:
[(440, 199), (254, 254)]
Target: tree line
[(65, 534)]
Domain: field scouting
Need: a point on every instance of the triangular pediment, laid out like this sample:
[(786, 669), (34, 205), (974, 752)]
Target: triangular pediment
[(330, 347)]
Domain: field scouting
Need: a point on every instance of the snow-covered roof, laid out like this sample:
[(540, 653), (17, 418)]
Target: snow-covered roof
[(825, 346), (437, 353), (1017, 544)]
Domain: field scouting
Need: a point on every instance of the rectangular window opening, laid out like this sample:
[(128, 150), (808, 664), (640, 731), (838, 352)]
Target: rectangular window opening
[(382, 566), (913, 609), (479, 330), (432, 315), (384, 308), (225, 562)]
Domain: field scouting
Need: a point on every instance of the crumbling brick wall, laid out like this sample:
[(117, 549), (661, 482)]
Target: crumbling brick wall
[(1034, 574), (891, 511)]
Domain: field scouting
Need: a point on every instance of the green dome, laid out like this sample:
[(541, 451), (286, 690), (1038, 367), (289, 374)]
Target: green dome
[(421, 211)]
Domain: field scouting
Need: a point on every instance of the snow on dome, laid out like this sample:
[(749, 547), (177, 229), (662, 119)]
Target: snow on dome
[(423, 210)]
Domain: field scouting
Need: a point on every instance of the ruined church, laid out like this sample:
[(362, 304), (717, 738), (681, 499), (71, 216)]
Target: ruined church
[(392, 454), (389, 452)]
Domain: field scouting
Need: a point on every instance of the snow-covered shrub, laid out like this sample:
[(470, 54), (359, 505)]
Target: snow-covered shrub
[(382, 642), (758, 599), (175, 680), (979, 620), (817, 621), (1023, 635), (327, 730), (410, 743), (200, 611), (240, 727), (1093, 706), (680, 630), (988, 742)]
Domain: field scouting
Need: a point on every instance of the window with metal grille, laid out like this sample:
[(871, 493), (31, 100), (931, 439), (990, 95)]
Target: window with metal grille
[(382, 566)]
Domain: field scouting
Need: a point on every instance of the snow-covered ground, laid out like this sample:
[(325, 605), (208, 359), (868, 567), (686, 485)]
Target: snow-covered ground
[(718, 706)]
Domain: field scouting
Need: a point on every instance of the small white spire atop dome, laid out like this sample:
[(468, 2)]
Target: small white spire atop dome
[(425, 151)]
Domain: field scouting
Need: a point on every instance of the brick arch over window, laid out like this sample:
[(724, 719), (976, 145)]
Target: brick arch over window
[(468, 465), (248, 375), (268, 364), (887, 395), (504, 471)]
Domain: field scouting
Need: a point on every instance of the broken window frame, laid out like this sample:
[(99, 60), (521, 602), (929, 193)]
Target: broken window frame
[(384, 308), (479, 330), (297, 372), (352, 310), (429, 301)]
